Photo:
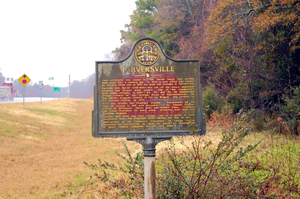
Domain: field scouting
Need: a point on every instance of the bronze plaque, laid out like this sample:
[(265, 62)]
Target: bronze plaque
[(147, 93)]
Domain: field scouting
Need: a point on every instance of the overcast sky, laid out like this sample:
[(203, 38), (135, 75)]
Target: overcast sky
[(58, 38)]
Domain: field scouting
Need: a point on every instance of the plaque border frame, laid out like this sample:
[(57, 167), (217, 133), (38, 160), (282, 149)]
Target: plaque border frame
[(140, 136)]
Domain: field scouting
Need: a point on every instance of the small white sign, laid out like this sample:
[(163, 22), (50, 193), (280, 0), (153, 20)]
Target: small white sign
[(41, 85)]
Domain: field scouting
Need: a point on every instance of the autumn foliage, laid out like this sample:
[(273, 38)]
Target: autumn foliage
[(248, 48)]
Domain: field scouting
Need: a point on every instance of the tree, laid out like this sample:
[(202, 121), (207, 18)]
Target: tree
[(248, 49), (122, 52), (187, 19), (256, 38), (83, 88), (176, 24)]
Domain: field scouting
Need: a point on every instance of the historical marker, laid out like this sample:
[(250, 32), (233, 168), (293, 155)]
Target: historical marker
[(147, 94), (148, 97)]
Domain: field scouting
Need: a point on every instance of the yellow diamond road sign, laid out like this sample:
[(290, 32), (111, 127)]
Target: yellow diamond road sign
[(24, 80)]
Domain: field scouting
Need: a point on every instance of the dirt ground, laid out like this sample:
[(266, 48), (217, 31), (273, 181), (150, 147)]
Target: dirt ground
[(43, 146)]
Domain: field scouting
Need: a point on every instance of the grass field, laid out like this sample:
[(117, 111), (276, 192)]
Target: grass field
[(43, 147)]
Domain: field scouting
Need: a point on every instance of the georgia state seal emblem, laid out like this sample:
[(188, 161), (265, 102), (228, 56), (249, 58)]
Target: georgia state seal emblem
[(146, 53)]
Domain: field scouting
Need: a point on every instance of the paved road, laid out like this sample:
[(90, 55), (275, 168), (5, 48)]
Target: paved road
[(29, 99)]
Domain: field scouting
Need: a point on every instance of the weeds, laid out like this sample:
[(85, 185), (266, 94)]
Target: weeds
[(201, 170), (277, 167), (206, 171), (132, 183)]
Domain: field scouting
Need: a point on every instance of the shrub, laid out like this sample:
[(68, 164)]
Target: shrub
[(133, 168), (197, 172), (276, 166), (291, 110), (212, 101), (207, 172)]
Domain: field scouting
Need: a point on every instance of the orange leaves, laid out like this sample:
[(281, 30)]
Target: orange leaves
[(272, 17), (281, 14), (223, 20), (296, 39), (262, 17)]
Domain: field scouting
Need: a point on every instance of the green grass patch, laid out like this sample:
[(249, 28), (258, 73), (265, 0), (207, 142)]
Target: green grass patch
[(276, 164), (81, 101), (80, 188), (50, 112)]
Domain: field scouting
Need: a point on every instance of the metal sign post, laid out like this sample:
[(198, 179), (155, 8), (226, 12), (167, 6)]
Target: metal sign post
[(24, 96), (41, 86), (148, 97), (149, 168)]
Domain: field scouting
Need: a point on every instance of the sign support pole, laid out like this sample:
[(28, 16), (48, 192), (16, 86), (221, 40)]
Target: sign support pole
[(41, 95), (149, 144), (23, 95), (149, 168)]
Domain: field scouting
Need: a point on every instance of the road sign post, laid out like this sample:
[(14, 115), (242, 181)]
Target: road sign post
[(56, 89), (24, 96), (24, 80), (41, 86), (148, 97)]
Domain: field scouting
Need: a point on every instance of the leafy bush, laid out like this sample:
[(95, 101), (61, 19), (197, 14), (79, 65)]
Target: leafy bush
[(258, 123), (207, 172), (276, 167), (291, 111), (212, 101), (197, 172)]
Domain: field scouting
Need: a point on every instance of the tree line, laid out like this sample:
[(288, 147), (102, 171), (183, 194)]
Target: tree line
[(79, 88), (248, 49)]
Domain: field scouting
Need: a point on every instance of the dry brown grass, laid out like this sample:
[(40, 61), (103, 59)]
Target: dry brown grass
[(43, 146)]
